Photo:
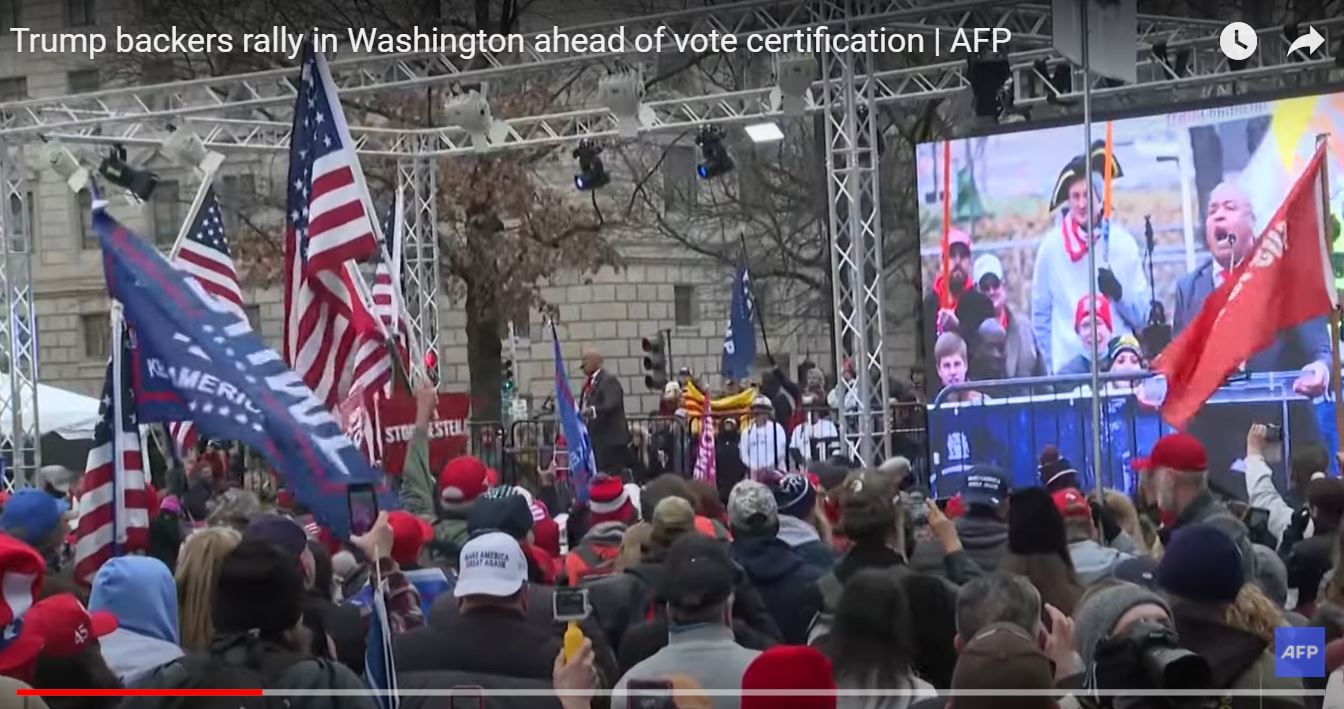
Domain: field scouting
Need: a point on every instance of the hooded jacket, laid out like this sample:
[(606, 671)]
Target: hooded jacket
[(984, 540), (1094, 562), (787, 583), (598, 541), (140, 592), (1238, 659), (803, 538)]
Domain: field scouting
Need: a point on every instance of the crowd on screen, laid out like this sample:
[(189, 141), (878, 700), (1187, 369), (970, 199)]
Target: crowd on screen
[(841, 587)]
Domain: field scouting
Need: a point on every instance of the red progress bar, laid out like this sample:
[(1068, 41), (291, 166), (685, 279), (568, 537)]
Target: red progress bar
[(139, 692)]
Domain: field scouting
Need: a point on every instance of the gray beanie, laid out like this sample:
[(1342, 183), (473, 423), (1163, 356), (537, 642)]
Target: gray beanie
[(1271, 574), (1236, 531), (1094, 621)]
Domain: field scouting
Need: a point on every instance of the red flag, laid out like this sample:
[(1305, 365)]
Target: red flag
[(1285, 281)]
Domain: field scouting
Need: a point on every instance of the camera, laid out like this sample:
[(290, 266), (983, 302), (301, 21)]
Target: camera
[(914, 505), (1148, 657)]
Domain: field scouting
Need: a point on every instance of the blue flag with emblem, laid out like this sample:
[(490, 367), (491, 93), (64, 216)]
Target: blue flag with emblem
[(582, 464), (739, 339), (199, 360)]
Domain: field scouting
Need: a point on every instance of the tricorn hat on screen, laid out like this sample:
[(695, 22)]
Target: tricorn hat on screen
[(1077, 167)]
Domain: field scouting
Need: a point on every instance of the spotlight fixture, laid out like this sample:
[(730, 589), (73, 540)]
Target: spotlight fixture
[(794, 74), (622, 92), (186, 149), (138, 181), (469, 110), (988, 79), (766, 132), (65, 165), (592, 173), (715, 160)]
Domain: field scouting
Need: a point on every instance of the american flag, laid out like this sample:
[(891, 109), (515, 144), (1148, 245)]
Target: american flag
[(327, 226), (373, 367), (205, 256), (113, 500)]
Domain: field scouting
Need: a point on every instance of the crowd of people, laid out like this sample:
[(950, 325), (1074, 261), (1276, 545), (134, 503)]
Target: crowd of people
[(831, 587)]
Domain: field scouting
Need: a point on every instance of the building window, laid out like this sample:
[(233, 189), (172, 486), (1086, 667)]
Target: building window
[(683, 305), (253, 316), (80, 13), (10, 14), (679, 183), (13, 88), (83, 217), (83, 81), (97, 335), (167, 212)]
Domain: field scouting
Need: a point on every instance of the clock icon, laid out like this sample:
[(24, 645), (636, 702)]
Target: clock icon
[(1238, 41)]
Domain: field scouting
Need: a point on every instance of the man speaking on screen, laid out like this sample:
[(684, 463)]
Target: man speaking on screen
[(1061, 276), (1230, 232)]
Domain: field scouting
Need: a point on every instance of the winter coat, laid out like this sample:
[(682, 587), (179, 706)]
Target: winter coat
[(1308, 561), (786, 582), (984, 539), (1238, 659), (598, 543), (419, 495), (309, 675), (706, 654), (492, 641), (919, 687), (1094, 562), (804, 539), (140, 592), (621, 601)]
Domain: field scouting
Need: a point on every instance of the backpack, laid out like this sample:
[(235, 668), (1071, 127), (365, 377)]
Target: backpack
[(590, 562), (231, 662)]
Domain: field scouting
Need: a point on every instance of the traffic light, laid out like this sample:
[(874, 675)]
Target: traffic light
[(655, 362), (506, 372)]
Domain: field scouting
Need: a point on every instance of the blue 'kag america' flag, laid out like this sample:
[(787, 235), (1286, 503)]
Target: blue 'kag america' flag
[(739, 338), (581, 460), (200, 361)]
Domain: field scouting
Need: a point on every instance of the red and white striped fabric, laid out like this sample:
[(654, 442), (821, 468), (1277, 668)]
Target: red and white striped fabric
[(114, 498), (206, 257), (373, 367), (327, 227)]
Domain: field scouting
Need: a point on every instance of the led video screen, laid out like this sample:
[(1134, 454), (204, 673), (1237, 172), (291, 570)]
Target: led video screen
[(1007, 320)]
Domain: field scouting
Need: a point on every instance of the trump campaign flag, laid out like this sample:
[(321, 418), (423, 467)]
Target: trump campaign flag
[(739, 339), (201, 361), (582, 464), (1285, 281)]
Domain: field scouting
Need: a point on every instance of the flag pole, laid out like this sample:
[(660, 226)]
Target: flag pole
[(1095, 366), (944, 298), (1322, 144), (207, 179)]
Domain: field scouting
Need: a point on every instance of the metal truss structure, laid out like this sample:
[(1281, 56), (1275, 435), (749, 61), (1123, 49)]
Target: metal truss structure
[(249, 114), (18, 327)]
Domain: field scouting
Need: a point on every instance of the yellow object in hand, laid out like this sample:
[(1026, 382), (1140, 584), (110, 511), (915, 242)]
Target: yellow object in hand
[(573, 640)]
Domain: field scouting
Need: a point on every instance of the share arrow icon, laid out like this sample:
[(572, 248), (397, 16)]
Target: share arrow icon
[(1311, 41)]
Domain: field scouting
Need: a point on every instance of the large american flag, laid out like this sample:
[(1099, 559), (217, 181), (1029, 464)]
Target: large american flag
[(328, 225), (113, 499), (373, 366), (206, 257)]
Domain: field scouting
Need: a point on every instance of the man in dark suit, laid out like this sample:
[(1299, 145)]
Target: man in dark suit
[(1230, 232), (603, 405)]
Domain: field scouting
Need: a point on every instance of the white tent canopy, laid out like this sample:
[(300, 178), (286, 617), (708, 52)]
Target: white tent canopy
[(71, 416)]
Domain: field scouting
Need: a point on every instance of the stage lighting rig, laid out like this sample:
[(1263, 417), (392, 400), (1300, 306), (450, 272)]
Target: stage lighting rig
[(185, 148), (66, 165), (1175, 64), (137, 181), (592, 173), (468, 109), (794, 74), (990, 85), (622, 92), (715, 160)]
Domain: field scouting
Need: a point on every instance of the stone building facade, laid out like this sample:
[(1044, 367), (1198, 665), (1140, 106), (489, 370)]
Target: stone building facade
[(660, 287)]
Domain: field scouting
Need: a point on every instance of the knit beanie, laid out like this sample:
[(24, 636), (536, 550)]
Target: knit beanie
[(1096, 619), (1271, 574), (608, 501), (256, 570), (1056, 471), (789, 667), (1201, 564), (461, 481), (1035, 525), (795, 496)]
